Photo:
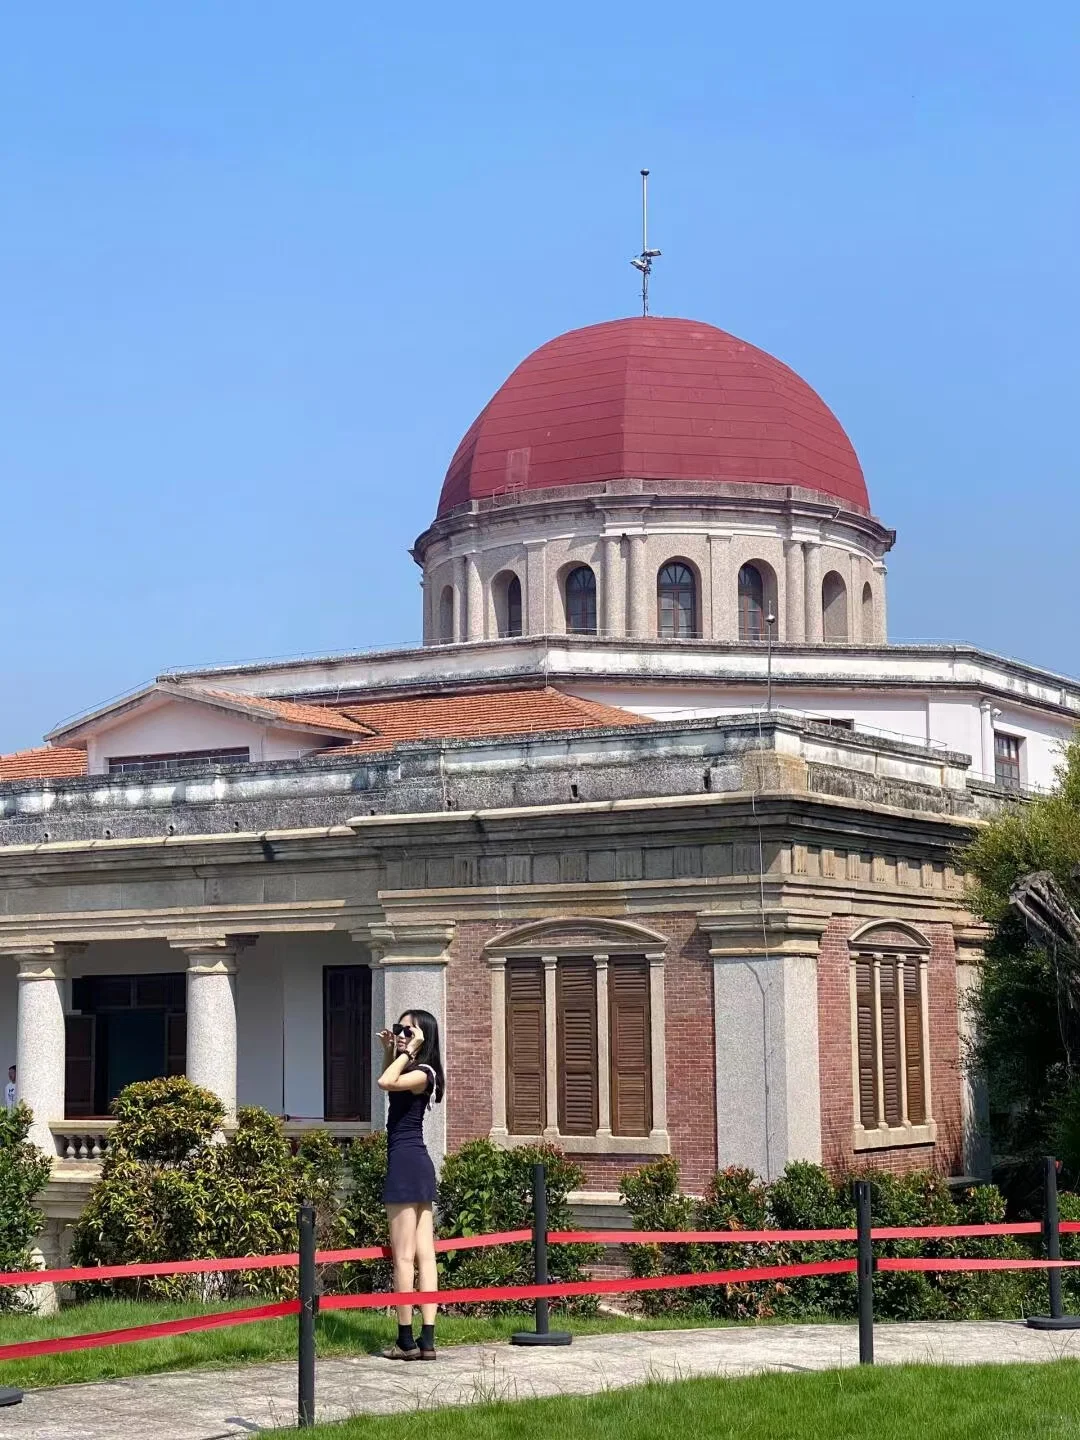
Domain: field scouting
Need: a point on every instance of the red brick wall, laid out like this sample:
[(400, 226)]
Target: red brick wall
[(690, 1044), (834, 1044)]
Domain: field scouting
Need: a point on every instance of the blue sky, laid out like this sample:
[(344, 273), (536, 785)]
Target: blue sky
[(262, 263)]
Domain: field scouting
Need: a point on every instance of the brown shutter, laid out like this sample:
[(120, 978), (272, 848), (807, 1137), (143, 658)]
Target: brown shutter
[(891, 1058), (631, 1051), (526, 1048), (78, 1067), (346, 1042), (913, 1041), (578, 1075), (176, 1043), (864, 1006)]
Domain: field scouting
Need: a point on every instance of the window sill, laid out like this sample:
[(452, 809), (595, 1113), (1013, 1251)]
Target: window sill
[(890, 1137), (603, 1143)]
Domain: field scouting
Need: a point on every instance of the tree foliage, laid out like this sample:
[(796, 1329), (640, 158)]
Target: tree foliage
[(1034, 1092)]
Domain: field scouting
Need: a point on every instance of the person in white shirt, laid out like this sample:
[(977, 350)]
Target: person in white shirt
[(9, 1089)]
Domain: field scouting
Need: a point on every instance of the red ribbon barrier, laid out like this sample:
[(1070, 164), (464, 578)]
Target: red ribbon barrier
[(559, 1289), (239, 1262), (917, 1262), (58, 1346), (775, 1237)]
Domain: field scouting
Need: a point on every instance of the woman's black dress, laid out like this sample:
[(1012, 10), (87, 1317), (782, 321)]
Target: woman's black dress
[(410, 1175)]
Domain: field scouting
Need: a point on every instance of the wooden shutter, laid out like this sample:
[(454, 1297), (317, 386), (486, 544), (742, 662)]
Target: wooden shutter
[(526, 1048), (578, 1072), (913, 1041), (346, 1042), (631, 1050), (78, 1067), (176, 1043), (864, 1005), (891, 1059)]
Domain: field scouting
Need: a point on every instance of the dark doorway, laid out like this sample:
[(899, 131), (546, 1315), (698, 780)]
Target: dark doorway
[(346, 1042), (124, 1028)]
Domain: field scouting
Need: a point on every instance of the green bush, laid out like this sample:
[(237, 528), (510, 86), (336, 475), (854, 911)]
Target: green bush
[(484, 1190), (805, 1198), (364, 1214), (24, 1171), (172, 1189)]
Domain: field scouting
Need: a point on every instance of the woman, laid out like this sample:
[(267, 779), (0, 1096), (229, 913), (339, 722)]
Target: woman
[(413, 1077)]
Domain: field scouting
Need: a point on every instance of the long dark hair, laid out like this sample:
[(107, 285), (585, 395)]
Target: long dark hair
[(431, 1051)]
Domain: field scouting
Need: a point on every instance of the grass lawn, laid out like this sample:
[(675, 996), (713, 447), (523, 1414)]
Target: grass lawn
[(1005, 1402), (342, 1332)]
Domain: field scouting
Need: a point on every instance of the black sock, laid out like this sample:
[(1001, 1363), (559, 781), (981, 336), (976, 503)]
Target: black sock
[(427, 1337), (405, 1338)]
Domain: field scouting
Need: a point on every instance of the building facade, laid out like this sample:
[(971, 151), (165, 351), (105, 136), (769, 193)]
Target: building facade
[(655, 820)]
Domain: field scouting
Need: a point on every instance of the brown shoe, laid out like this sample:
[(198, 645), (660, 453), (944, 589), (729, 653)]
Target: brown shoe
[(428, 1355), (395, 1352)]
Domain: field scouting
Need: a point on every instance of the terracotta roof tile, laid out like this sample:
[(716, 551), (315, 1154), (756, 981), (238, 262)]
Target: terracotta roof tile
[(469, 717), (43, 763), (299, 716)]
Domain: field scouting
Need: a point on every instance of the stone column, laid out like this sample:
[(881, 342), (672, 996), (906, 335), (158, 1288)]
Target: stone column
[(795, 588), (640, 589), (211, 1017), (413, 960), (498, 1047), (657, 1034), (40, 1043), (603, 1048), (612, 621), (814, 613), (474, 599)]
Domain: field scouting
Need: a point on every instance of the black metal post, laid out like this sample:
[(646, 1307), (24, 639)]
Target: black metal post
[(542, 1335), (1057, 1319), (308, 1306), (865, 1272)]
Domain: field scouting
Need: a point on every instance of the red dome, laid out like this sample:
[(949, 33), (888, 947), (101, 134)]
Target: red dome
[(653, 399)]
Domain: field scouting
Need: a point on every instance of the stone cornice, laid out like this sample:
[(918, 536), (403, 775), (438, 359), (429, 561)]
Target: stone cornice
[(742, 934), (195, 927)]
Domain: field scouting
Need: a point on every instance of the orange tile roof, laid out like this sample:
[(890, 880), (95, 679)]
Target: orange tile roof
[(43, 763), (299, 716), (470, 716)]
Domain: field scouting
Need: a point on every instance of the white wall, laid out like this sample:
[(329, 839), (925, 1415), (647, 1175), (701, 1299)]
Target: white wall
[(172, 726)]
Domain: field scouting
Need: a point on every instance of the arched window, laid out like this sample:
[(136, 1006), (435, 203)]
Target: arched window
[(751, 603), (676, 602), (446, 614), (580, 589), (869, 632), (506, 592), (834, 607)]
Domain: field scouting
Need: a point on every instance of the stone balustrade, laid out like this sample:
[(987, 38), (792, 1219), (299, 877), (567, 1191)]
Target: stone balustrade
[(86, 1142)]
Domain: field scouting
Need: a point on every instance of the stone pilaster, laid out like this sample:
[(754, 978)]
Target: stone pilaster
[(412, 958), (640, 589), (474, 599), (814, 612), (612, 621), (795, 592), (768, 1085)]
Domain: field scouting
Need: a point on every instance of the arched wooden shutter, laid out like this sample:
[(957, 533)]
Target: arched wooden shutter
[(578, 1072), (526, 1048), (631, 1061)]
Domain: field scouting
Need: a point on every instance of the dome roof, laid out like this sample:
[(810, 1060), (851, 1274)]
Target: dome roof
[(653, 399)]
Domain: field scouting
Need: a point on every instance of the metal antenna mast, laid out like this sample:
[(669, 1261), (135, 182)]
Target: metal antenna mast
[(643, 262)]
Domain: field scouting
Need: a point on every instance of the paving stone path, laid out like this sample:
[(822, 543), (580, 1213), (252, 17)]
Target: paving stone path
[(215, 1404)]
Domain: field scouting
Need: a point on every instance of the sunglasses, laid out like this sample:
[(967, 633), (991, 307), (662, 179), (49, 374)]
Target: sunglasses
[(405, 1031)]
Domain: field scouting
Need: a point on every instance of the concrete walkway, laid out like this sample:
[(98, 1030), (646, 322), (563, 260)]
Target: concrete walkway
[(214, 1404)]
